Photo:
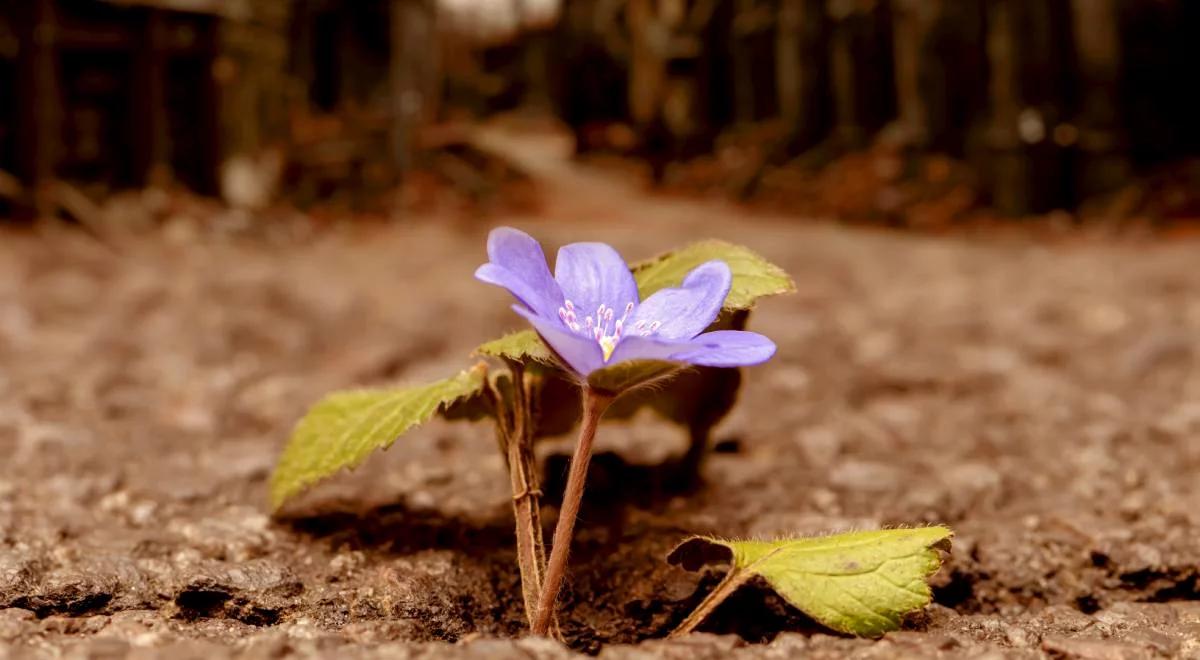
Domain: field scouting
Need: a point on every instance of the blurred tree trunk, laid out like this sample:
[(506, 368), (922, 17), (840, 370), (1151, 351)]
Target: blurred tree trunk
[(41, 114), (846, 126), (714, 67), (1008, 170), (953, 77), (536, 69), (861, 68), (940, 62), (414, 82), (1103, 164), (152, 150), (755, 56), (1030, 93), (789, 75), (743, 64), (914, 21), (647, 66), (801, 71), (254, 90), (254, 79)]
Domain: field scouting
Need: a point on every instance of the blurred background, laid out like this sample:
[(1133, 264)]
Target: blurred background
[(920, 113), (215, 212)]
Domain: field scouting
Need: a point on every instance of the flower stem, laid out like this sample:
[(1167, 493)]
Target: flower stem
[(594, 405), (517, 443), (732, 581)]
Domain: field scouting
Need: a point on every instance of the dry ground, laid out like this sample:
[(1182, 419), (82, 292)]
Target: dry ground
[(1044, 400)]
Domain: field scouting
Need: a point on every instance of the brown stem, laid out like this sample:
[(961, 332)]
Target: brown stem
[(730, 584), (594, 405), (531, 556), (516, 431)]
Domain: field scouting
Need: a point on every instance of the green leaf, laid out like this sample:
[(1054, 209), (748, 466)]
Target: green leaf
[(520, 346), (861, 583), (753, 276), (342, 429)]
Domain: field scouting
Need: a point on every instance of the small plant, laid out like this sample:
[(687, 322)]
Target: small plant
[(602, 331), (624, 344)]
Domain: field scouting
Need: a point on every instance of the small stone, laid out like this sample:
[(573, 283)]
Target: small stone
[(1018, 637), (820, 445), (971, 478), (921, 640), (787, 645), (1141, 615), (690, 647), (184, 650), (940, 616), (790, 378), (269, 644), (75, 591), (104, 648), (16, 574), (73, 625), (1160, 642), (1063, 619), (501, 649), (16, 623), (1187, 611), (255, 592), (134, 626), (1135, 557), (375, 631), (1094, 649), (236, 533), (865, 477)]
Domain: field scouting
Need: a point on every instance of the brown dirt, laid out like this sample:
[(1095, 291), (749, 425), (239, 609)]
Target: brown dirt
[(1041, 400)]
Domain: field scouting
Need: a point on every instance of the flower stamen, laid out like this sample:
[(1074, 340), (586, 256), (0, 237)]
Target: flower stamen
[(566, 314), (605, 328)]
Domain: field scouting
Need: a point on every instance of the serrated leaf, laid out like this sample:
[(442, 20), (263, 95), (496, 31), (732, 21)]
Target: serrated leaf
[(860, 583), (519, 346), (342, 429), (753, 276)]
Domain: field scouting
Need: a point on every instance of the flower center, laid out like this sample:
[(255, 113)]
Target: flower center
[(604, 328)]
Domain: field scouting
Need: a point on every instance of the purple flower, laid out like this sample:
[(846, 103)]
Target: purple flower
[(588, 312)]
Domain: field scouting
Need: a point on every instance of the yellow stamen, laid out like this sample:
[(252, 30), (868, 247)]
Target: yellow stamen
[(608, 345)]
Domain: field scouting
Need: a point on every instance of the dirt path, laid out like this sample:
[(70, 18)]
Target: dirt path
[(1043, 401)]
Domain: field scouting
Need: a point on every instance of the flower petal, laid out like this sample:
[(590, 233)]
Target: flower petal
[(647, 348), (594, 274), (727, 348), (684, 312), (722, 348), (582, 355), (518, 264)]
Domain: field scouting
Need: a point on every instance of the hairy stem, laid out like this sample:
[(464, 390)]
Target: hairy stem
[(594, 405), (517, 434), (531, 553), (727, 586)]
